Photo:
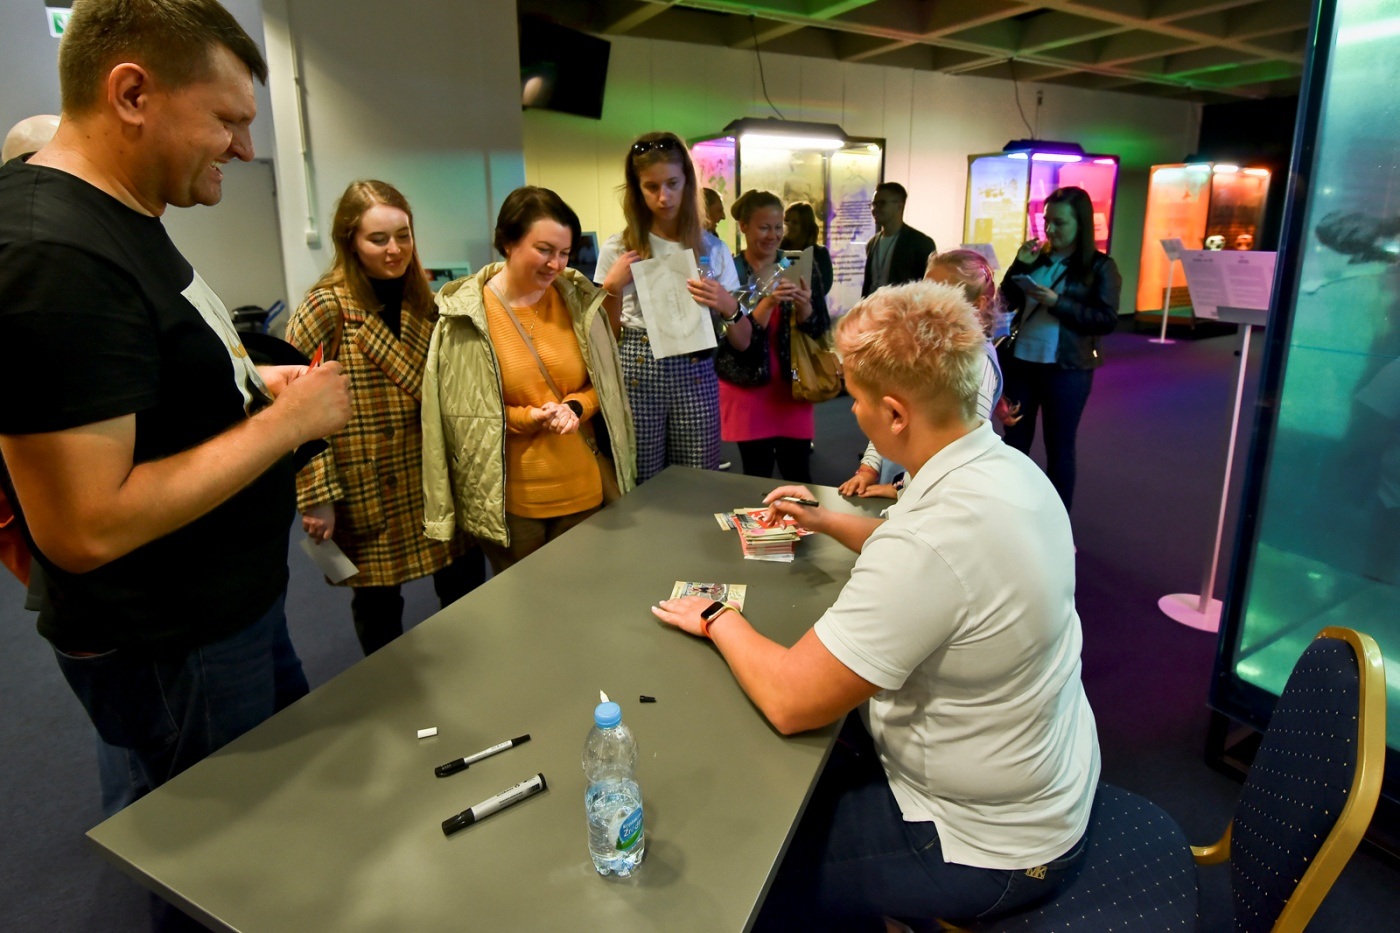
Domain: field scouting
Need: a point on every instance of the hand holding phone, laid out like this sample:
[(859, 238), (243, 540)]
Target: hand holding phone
[(1025, 282)]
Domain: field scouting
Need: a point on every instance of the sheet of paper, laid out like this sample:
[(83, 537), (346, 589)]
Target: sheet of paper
[(1237, 278), (676, 323), (329, 559), (1172, 247), (986, 251)]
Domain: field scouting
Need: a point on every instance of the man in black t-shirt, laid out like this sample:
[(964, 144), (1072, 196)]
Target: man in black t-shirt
[(150, 458)]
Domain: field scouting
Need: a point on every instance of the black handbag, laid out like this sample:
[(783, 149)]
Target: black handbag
[(747, 367)]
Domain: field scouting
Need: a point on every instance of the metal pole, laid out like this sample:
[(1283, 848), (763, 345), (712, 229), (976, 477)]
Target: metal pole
[(1208, 587)]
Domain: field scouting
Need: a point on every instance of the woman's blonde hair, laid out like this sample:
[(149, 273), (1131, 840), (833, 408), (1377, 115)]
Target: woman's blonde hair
[(922, 340), (648, 150), (974, 274), (346, 269)]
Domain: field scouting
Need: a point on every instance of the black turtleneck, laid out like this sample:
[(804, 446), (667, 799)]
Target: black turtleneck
[(390, 295)]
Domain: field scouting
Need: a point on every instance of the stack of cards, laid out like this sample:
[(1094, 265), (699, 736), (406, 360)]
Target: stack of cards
[(774, 542)]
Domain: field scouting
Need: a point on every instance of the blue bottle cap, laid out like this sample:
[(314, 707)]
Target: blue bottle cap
[(607, 715)]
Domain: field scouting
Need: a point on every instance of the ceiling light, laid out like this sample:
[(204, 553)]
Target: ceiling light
[(787, 134)]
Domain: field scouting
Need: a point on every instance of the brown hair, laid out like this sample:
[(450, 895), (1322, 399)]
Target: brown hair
[(753, 200), (974, 274), (524, 206), (811, 232), (922, 339), (171, 39), (347, 269), (648, 150), (1081, 261)]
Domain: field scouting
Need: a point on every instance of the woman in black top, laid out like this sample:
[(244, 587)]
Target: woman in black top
[(1070, 302)]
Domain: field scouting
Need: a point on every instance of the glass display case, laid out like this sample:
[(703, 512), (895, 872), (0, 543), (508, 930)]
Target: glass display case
[(1006, 193), (838, 182), (1205, 205), (1319, 538)]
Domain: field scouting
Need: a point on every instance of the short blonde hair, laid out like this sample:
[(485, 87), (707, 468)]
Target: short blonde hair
[(922, 340)]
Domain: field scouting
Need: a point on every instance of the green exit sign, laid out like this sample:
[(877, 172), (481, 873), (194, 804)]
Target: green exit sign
[(58, 19)]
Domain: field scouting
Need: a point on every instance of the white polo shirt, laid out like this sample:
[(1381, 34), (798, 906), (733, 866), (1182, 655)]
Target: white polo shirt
[(961, 607)]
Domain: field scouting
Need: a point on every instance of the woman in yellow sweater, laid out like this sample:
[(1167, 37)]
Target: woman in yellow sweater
[(539, 424)]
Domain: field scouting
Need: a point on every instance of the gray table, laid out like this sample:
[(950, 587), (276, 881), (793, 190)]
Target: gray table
[(327, 816)]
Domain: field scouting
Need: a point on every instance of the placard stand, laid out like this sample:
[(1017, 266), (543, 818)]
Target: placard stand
[(1172, 247), (1202, 610)]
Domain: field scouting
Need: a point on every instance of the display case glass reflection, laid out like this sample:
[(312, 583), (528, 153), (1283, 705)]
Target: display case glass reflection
[(1006, 194), (1320, 536), (839, 185)]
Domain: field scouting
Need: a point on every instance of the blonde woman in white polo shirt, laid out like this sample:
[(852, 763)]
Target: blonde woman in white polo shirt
[(957, 639)]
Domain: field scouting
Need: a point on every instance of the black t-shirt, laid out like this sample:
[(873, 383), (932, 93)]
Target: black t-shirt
[(100, 317)]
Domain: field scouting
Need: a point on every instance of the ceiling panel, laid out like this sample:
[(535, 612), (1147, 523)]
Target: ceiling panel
[(1206, 50)]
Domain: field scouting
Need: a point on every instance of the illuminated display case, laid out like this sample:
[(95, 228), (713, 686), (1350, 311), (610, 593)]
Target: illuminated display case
[(839, 182), (1205, 205), (1319, 534), (1006, 193)]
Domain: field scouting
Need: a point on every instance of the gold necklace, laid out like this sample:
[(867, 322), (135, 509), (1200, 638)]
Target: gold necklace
[(510, 307)]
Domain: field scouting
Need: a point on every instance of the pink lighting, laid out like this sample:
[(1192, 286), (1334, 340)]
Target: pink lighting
[(1055, 157)]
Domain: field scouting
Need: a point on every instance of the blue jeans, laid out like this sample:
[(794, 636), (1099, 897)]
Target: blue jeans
[(854, 859), (1060, 395), (162, 711)]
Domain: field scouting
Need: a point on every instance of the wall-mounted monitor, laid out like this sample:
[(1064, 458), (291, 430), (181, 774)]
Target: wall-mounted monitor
[(561, 68)]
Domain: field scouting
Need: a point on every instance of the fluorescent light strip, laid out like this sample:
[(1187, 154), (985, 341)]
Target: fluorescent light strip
[(1103, 161), (1017, 155), (1225, 169), (783, 141), (1055, 157), (1257, 171)]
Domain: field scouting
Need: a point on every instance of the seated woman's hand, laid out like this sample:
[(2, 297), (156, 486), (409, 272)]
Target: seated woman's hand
[(880, 491), (856, 485), (806, 516)]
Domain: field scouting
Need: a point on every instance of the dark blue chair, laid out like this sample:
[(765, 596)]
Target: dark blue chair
[(1305, 805)]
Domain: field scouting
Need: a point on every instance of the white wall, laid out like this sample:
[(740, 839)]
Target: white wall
[(931, 123), (425, 96)]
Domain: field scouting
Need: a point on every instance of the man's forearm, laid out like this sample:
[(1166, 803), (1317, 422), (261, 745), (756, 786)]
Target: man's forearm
[(86, 505)]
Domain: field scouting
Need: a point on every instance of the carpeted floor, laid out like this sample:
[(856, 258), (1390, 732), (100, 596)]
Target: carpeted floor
[(1152, 453)]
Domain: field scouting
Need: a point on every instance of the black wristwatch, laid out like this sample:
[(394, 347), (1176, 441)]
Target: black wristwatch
[(575, 406)]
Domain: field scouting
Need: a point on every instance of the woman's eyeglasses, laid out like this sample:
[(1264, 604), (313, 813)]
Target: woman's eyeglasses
[(664, 144)]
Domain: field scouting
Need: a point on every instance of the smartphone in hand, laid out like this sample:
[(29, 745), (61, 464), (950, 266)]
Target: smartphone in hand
[(1024, 281)]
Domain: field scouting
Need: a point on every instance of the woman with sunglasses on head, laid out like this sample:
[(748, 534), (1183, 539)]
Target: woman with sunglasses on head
[(373, 311), (769, 425), (675, 400), (1070, 301)]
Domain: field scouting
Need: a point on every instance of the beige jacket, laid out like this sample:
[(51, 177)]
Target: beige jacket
[(464, 418)]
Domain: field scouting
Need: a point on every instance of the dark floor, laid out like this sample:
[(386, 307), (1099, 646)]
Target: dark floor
[(1152, 455)]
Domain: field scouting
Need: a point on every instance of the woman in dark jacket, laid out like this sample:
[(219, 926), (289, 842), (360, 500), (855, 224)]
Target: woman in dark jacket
[(1065, 294)]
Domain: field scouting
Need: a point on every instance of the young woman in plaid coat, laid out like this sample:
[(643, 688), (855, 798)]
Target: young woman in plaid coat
[(373, 311)]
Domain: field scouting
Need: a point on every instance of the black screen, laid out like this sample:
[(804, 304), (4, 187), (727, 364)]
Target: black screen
[(561, 68)]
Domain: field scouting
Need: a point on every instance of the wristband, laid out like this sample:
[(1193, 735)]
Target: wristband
[(575, 406), (711, 612)]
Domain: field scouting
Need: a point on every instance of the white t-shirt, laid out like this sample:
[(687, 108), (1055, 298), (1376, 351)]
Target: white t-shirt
[(961, 607), (721, 263)]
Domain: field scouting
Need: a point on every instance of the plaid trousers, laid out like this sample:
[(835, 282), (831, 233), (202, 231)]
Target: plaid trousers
[(675, 405)]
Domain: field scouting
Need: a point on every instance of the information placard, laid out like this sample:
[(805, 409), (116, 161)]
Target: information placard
[(1238, 278)]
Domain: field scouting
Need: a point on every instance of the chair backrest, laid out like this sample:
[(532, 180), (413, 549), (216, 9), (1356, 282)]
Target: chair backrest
[(1314, 784)]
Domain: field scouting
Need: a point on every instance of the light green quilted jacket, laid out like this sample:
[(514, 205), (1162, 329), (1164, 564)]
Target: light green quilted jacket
[(464, 419)]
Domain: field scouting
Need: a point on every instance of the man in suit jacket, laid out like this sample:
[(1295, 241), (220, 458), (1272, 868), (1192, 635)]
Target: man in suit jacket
[(897, 254)]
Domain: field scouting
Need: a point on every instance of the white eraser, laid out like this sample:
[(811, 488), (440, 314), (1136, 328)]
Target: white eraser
[(425, 733)]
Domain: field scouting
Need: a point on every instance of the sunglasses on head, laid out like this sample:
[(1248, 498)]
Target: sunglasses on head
[(665, 144)]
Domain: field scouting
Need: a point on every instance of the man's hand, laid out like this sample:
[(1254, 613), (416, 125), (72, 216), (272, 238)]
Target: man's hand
[(279, 377), (683, 613), (316, 403)]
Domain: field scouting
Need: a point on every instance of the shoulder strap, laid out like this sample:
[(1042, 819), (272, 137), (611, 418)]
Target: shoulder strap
[(529, 344)]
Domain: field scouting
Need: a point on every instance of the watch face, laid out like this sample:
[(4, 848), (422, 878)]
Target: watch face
[(711, 609)]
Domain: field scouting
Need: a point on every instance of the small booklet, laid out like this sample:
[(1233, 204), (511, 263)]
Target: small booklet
[(721, 592)]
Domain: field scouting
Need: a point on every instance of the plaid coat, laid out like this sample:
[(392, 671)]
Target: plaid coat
[(373, 470)]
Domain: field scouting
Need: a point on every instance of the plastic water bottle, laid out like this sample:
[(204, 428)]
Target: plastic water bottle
[(705, 271), (616, 838)]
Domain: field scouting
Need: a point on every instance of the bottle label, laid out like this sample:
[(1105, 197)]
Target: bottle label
[(629, 832)]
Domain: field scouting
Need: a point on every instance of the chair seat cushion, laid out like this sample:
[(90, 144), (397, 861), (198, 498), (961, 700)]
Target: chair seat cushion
[(1138, 874)]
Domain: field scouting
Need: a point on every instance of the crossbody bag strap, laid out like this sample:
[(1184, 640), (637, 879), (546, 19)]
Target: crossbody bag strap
[(529, 344)]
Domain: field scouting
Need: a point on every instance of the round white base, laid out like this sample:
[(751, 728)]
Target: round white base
[(1181, 607), (1162, 340)]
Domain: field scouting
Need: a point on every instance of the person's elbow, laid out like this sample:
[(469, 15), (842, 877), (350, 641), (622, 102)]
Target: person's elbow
[(791, 717), (75, 552)]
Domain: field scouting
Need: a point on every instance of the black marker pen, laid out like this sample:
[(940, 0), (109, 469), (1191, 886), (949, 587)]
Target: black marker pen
[(462, 764), (506, 798)]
